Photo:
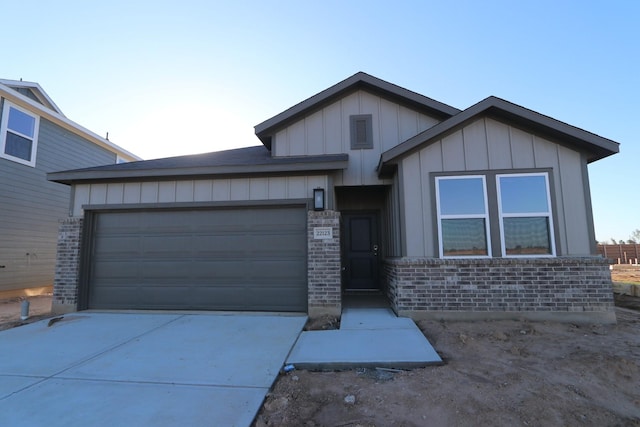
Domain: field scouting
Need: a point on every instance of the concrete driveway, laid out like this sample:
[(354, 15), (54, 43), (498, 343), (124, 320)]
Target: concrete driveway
[(142, 369)]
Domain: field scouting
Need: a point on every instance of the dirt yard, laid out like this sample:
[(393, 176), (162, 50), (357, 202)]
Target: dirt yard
[(625, 274), (10, 310), (496, 373)]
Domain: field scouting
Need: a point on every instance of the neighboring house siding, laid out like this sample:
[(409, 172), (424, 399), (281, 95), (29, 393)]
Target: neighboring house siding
[(487, 144), (208, 190), (328, 132), (32, 206)]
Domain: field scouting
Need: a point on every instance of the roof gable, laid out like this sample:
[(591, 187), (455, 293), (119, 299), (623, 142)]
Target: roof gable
[(31, 96), (360, 80), (32, 90), (597, 146)]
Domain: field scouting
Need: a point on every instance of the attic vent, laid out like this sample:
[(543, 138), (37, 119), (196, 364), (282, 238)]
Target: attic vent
[(361, 132)]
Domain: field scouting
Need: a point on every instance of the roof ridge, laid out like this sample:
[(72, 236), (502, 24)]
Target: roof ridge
[(265, 130)]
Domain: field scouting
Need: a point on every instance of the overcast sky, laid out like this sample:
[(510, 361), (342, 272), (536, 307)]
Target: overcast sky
[(168, 78)]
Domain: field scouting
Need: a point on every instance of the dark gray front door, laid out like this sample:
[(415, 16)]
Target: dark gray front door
[(214, 259), (360, 252)]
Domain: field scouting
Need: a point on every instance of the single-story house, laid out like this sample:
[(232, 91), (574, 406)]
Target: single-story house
[(37, 138), (364, 188)]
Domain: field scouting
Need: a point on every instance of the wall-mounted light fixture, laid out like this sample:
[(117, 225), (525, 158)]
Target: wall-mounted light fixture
[(318, 199)]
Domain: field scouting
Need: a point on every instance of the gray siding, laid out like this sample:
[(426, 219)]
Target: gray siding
[(32, 206), (206, 190), (328, 131), (487, 144), (393, 215)]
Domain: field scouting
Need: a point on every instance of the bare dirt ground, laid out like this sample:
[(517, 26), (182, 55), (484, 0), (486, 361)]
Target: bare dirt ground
[(625, 275), (10, 310), (496, 373)]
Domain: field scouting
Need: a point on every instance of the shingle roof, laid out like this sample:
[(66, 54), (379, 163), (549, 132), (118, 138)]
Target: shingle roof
[(245, 161)]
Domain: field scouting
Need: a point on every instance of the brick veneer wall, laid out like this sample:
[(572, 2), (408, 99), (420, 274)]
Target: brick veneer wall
[(538, 288), (323, 265), (65, 282)]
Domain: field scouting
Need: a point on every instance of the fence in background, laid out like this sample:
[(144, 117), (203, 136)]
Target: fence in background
[(621, 254)]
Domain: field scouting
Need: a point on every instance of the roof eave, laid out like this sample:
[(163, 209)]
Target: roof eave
[(39, 92), (64, 122), (597, 146), (72, 177)]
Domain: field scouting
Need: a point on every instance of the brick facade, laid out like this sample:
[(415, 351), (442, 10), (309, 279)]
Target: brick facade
[(560, 288), (536, 288), (65, 282), (323, 267)]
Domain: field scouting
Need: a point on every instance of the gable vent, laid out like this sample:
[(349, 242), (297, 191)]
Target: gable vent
[(361, 131)]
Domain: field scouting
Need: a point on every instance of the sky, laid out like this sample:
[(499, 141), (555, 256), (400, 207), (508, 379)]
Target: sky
[(168, 78)]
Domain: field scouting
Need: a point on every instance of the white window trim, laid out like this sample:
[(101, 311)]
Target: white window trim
[(548, 214), (440, 217), (3, 134)]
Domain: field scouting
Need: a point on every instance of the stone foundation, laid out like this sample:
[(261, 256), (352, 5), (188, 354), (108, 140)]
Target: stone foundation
[(65, 282), (571, 289), (323, 267)]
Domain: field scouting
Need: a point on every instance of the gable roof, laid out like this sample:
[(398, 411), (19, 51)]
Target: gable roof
[(34, 88), (240, 161), (596, 146), (45, 107), (360, 80)]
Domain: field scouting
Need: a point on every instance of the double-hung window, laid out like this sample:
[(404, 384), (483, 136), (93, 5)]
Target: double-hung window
[(463, 216), (524, 207), (18, 134), (504, 214)]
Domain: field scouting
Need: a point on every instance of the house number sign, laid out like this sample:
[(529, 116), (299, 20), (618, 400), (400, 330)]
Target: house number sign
[(322, 233)]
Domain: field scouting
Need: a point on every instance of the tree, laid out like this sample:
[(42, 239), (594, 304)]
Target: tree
[(635, 235)]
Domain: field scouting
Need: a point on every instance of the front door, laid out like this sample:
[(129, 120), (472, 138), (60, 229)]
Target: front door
[(360, 250)]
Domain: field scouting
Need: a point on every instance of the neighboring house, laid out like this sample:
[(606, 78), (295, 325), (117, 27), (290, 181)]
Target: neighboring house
[(365, 188), (35, 139)]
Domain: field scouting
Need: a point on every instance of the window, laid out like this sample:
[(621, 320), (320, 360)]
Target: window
[(506, 214), (18, 135), (361, 131), (463, 216), (524, 207)]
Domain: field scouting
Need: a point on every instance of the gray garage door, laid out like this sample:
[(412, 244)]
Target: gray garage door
[(222, 259)]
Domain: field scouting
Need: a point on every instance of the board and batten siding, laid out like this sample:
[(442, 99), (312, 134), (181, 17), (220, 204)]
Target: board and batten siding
[(393, 217), (327, 131), (487, 144), (32, 206), (201, 190)]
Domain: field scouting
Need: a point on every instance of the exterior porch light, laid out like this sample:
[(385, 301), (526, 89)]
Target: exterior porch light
[(318, 199)]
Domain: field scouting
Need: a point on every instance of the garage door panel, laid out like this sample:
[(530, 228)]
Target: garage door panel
[(116, 246), (268, 297), (113, 269), (223, 259)]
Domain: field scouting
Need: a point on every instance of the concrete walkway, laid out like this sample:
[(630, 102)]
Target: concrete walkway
[(368, 337), (111, 369)]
